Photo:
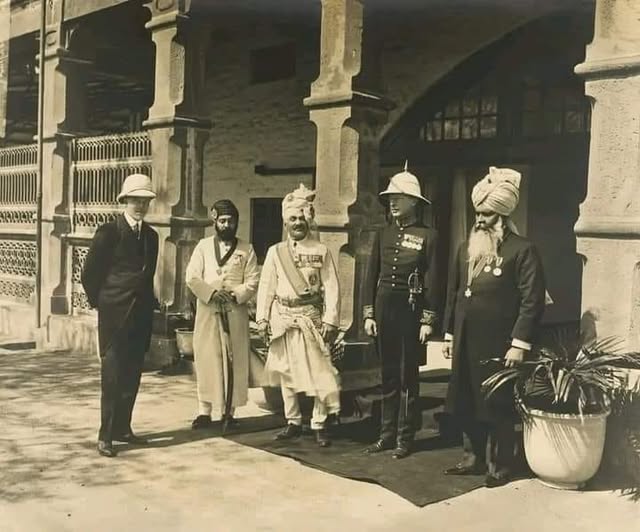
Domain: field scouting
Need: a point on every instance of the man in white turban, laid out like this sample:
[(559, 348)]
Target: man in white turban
[(298, 312), (496, 298)]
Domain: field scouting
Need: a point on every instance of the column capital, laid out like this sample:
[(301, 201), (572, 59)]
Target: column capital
[(615, 48)]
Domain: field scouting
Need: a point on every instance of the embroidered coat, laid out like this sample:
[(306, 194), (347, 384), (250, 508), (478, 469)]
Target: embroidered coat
[(398, 251), (208, 272), (298, 357)]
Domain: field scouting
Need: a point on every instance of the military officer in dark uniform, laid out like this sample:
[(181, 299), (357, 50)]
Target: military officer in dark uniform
[(399, 309), (118, 280)]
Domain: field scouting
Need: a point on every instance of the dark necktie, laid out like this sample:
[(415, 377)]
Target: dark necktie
[(136, 230)]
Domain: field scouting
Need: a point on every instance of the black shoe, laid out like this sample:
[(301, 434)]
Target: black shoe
[(378, 447), (201, 422), (289, 432), (131, 438), (492, 481), (322, 437), (401, 451), (460, 469), (105, 448)]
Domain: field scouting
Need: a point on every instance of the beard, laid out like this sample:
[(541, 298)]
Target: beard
[(484, 242), (227, 234)]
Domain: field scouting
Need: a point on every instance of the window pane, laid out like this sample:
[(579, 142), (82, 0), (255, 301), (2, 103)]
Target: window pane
[(452, 109), (574, 121), (489, 105), (488, 127), (451, 129), (470, 107), (433, 131), (470, 128)]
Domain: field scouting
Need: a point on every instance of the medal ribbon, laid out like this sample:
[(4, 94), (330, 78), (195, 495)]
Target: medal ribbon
[(473, 270)]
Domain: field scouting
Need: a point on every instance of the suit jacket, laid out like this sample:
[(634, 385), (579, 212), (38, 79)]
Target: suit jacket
[(118, 280)]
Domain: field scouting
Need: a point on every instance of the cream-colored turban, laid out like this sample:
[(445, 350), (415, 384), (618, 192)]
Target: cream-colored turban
[(499, 191), (300, 200)]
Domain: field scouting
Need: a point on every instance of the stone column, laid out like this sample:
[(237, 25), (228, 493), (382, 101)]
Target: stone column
[(348, 120), (178, 130), (63, 115), (608, 228)]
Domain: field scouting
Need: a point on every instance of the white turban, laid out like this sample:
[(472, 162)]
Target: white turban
[(499, 191), (300, 200)]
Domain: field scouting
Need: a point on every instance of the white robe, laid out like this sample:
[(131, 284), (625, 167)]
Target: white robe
[(298, 357), (204, 276)]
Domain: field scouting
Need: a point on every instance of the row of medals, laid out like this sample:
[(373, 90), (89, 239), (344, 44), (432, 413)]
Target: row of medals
[(497, 272)]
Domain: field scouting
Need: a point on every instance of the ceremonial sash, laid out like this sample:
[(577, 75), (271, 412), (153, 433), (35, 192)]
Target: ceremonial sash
[(291, 271), (223, 260)]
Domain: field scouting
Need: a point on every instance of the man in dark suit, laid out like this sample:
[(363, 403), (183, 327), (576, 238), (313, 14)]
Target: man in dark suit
[(496, 298), (118, 280), (399, 310)]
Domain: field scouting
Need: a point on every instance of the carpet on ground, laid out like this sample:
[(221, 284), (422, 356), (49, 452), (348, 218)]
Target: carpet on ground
[(418, 478)]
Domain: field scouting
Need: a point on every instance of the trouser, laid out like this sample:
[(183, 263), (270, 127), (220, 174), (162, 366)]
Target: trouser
[(400, 386), (489, 442), (205, 408), (294, 415), (400, 353), (121, 368)]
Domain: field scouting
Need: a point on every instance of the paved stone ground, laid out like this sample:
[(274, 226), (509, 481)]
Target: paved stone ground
[(51, 478)]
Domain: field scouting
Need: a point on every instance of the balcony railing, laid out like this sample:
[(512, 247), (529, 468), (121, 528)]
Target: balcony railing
[(99, 165), (18, 181)]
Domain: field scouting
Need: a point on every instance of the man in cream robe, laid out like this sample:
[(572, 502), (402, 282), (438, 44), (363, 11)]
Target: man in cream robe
[(299, 300), (223, 274)]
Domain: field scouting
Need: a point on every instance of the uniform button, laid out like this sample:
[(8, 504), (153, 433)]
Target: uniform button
[(393, 284), (397, 251), (395, 267), (401, 228), (393, 276), (395, 258)]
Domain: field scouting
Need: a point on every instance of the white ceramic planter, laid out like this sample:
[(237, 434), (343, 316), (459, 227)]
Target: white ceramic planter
[(564, 450)]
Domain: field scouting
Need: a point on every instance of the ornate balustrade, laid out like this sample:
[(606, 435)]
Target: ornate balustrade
[(99, 165), (18, 180)]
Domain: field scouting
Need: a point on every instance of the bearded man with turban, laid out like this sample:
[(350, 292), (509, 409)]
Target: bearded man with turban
[(496, 298), (223, 275), (298, 313)]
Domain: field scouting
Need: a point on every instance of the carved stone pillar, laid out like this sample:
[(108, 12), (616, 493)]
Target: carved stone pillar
[(608, 229), (63, 115), (178, 130), (348, 122)]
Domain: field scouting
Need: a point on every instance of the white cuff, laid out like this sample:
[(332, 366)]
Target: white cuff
[(521, 344), (448, 337)]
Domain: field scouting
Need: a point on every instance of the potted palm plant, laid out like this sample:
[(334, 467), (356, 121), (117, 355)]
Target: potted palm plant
[(564, 395)]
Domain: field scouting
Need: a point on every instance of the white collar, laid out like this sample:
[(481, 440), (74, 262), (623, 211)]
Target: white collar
[(133, 223)]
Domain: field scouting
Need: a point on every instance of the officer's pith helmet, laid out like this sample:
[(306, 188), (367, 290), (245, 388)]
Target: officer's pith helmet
[(404, 183)]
